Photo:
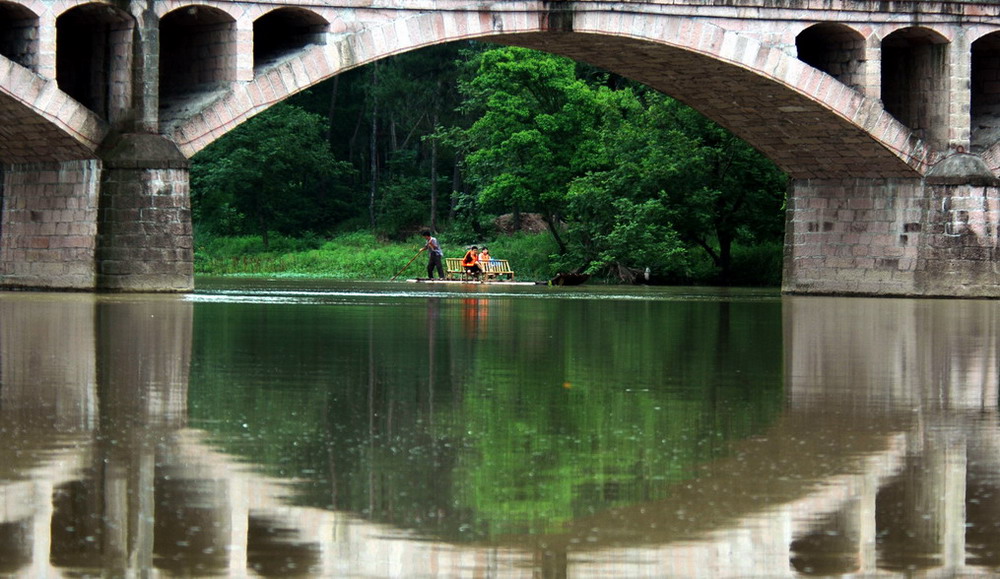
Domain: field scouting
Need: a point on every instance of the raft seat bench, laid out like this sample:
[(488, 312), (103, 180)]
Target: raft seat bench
[(495, 269), (453, 265)]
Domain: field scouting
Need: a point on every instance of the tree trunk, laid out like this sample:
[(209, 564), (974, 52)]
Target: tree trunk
[(373, 149), (333, 108), (708, 249), (456, 186), (434, 176), (725, 257), (354, 138), (552, 223), (263, 229), (393, 139)]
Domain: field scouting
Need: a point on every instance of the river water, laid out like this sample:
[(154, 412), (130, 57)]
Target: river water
[(325, 429)]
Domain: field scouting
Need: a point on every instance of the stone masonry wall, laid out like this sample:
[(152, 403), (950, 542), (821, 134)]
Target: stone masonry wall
[(144, 237), (892, 237), (145, 240), (47, 237)]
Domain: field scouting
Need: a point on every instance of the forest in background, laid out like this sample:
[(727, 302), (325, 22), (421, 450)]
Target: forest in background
[(560, 166)]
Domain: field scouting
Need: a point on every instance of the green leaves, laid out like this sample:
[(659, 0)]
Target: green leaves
[(629, 177), (273, 173)]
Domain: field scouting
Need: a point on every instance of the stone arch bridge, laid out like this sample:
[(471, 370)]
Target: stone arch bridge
[(886, 116)]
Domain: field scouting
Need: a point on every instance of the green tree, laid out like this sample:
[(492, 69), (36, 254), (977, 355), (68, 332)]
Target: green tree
[(626, 178), (664, 178), (531, 113), (384, 124), (618, 216), (273, 173), (724, 191)]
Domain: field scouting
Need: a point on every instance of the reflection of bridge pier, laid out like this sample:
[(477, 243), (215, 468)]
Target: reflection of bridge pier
[(938, 364), (90, 385), (910, 517), (915, 510), (48, 381)]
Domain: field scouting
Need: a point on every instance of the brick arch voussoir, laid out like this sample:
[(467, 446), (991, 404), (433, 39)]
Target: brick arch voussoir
[(36, 7), (42, 123), (234, 10), (60, 8), (787, 108), (258, 12), (938, 36), (992, 158), (245, 99)]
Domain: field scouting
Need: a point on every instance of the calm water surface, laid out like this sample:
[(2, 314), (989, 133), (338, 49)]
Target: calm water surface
[(256, 429)]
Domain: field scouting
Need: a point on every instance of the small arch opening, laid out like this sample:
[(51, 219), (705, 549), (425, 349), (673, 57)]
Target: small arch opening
[(284, 31), (274, 548), (830, 546), (93, 57), (72, 532), (19, 34), (834, 49), (15, 546), (191, 527), (197, 51), (915, 82), (985, 92)]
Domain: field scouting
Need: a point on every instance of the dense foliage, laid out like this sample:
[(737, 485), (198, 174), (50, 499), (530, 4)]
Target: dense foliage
[(274, 173), (626, 180)]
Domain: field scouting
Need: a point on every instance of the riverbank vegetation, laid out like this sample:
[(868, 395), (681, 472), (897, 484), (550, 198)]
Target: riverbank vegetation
[(362, 256), (477, 143)]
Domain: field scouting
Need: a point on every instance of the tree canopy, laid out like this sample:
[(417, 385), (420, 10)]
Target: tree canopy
[(273, 173), (633, 178)]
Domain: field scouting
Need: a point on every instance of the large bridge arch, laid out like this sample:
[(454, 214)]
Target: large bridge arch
[(41, 123), (810, 124)]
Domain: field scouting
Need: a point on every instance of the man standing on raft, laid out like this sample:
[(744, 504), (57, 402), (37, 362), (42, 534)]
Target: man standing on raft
[(434, 255)]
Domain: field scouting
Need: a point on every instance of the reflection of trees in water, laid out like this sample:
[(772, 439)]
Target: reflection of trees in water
[(551, 410)]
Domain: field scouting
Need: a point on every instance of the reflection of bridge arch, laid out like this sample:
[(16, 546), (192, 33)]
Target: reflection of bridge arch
[(204, 512), (116, 480)]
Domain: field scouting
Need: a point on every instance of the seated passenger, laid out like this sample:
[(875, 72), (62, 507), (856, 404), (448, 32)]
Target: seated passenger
[(471, 262), (484, 256), (487, 263)]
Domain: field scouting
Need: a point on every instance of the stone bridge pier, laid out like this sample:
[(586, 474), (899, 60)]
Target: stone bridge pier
[(144, 237), (905, 237), (121, 222), (93, 196)]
